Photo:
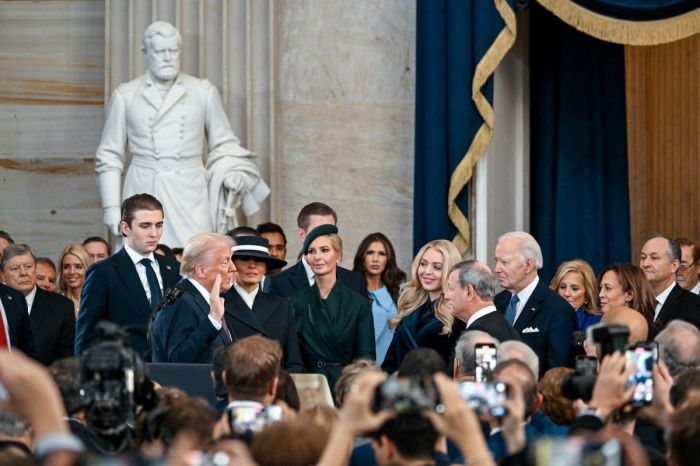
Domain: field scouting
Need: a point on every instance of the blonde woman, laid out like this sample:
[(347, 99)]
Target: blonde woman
[(72, 266), (577, 284), (424, 319)]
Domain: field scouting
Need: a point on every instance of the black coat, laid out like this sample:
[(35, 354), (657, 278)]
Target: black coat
[(113, 292), (53, 324), (182, 331), (286, 283), (546, 324), (680, 305), (495, 325), (20, 329), (271, 317)]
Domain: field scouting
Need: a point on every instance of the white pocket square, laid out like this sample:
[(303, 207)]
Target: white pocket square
[(531, 330)]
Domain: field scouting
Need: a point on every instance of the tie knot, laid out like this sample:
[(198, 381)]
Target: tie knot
[(515, 300), (146, 262)]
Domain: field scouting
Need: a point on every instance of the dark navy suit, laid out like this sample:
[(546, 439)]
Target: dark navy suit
[(182, 331), (19, 328), (271, 317), (495, 325), (53, 325), (546, 324), (114, 292), (288, 282), (680, 305)]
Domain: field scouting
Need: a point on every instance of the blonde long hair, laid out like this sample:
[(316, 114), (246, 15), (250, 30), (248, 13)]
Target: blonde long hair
[(79, 251), (414, 295), (590, 284)]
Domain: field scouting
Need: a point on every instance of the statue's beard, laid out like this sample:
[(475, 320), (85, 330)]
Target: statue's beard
[(166, 72)]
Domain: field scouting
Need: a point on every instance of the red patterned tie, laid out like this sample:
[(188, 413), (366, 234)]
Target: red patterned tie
[(224, 327), (3, 336)]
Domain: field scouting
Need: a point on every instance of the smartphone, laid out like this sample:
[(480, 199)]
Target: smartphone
[(484, 397), (406, 395), (642, 357), (484, 360), (586, 365)]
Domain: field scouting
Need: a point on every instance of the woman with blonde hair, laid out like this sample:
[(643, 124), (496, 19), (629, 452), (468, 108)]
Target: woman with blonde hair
[(72, 266), (576, 283), (423, 319)]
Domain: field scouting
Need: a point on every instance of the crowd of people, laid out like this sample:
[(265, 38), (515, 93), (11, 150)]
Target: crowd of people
[(452, 363)]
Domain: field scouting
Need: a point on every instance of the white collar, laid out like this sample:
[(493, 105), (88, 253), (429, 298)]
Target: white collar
[(696, 288), (136, 257), (663, 296), (526, 292), (30, 299), (309, 272), (249, 298), (206, 294), (481, 313)]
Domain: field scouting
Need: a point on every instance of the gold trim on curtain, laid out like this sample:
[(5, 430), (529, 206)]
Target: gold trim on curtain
[(465, 169), (622, 31)]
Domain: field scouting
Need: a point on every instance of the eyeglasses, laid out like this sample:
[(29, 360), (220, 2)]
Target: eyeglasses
[(685, 266)]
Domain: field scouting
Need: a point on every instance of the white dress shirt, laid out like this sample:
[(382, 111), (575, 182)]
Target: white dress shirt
[(30, 299), (696, 288), (661, 299), (141, 269), (310, 275), (523, 297)]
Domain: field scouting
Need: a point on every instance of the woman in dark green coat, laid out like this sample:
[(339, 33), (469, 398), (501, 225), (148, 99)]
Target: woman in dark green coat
[(334, 324)]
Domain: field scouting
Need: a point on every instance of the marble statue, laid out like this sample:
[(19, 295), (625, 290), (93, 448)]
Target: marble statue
[(165, 120)]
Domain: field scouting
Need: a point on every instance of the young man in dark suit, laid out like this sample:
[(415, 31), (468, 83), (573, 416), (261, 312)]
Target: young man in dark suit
[(300, 276), (471, 287), (51, 315), (659, 259), (250, 311), (193, 327), (543, 319), (125, 287)]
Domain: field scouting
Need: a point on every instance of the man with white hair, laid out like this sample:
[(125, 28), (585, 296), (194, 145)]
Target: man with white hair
[(679, 346), (543, 319), (190, 329), (164, 119)]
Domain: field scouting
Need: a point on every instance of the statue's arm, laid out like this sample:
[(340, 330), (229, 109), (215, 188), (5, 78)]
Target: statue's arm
[(109, 160)]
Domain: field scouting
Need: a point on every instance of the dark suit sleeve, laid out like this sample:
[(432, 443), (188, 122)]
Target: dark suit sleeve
[(559, 348), (66, 337), (365, 346), (188, 337), (93, 307), (292, 354)]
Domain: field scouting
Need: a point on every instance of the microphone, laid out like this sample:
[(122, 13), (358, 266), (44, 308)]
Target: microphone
[(169, 297)]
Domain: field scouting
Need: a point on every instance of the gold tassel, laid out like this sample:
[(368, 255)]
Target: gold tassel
[(465, 169), (622, 31)]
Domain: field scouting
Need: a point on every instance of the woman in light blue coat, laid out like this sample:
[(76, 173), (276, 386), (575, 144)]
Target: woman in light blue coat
[(376, 260)]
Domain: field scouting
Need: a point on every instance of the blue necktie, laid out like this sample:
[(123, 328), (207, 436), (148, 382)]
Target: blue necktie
[(511, 309), (152, 282)]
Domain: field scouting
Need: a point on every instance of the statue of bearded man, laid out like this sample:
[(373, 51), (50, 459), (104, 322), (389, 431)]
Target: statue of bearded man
[(165, 119)]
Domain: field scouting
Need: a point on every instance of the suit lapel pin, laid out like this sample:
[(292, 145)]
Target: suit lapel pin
[(168, 267), (9, 298)]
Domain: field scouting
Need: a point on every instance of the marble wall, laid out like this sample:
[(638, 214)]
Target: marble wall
[(344, 117), (322, 90)]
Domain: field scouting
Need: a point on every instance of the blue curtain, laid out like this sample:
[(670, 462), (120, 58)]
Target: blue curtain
[(452, 36), (639, 10), (579, 187)]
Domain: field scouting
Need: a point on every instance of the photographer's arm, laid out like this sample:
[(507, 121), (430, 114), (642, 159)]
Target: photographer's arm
[(355, 418), (459, 423)]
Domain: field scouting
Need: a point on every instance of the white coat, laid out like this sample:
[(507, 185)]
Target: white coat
[(166, 138)]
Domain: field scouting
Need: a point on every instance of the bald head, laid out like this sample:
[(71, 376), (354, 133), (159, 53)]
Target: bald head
[(634, 320)]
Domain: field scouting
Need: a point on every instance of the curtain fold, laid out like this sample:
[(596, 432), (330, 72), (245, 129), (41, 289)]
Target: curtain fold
[(459, 45), (579, 186)]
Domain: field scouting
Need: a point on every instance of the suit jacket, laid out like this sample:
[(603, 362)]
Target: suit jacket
[(20, 330), (182, 331), (546, 324), (113, 291), (53, 324), (680, 305), (288, 282), (271, 317), (495, 325)]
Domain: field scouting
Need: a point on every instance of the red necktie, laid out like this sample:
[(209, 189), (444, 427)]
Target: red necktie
[(3, 336)]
